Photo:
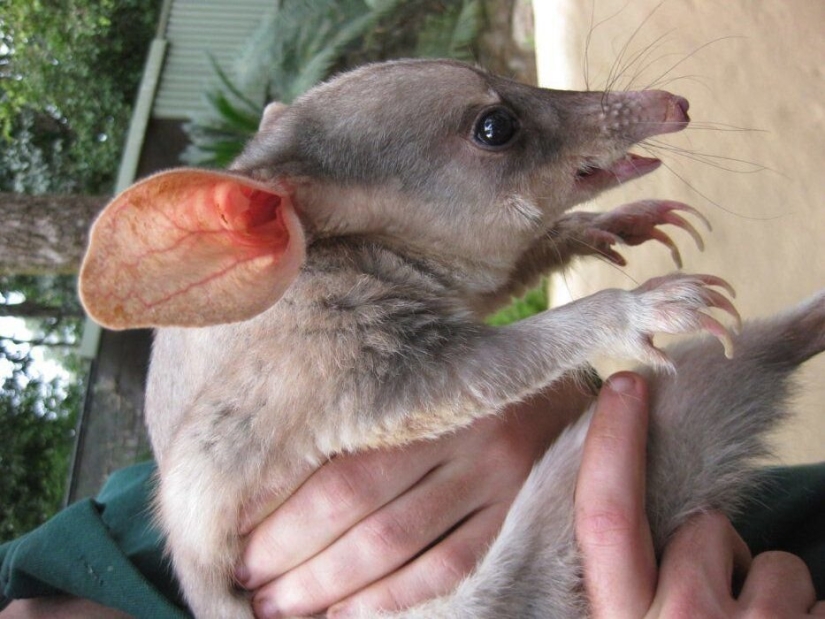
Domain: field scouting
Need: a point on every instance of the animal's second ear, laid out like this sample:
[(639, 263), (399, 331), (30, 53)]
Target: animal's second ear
[(191, 248), (272, 114)]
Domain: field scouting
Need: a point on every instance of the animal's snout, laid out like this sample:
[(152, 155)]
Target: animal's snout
[(677, 109), (683, 104), (641, 114)]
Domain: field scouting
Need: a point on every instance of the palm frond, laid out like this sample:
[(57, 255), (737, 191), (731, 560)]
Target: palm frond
[(301, 42)]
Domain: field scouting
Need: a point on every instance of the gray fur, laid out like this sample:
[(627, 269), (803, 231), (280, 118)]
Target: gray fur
[(415, 232)]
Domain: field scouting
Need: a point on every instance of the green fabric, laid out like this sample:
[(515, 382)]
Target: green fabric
[(789, 514), (106, 549)]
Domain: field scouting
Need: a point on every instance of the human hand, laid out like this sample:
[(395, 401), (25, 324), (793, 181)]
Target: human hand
[(387, 529), (706, 570), (59, 607)]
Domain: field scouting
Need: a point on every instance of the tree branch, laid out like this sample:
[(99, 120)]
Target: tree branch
[(45, 234)]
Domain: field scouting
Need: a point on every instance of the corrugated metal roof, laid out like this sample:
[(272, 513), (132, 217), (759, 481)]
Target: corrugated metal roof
[(196, 30)]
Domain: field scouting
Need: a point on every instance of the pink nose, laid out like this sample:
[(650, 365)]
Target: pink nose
[(683, 106)]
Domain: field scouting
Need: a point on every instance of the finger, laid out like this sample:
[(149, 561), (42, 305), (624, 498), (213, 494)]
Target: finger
[(335, 498), (436, 572), (611, 525), (698, 567), (778, 584), (378, 545), (266, 500), (818, 609)]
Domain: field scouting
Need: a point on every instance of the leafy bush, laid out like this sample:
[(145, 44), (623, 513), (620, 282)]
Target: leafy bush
[(533, 302), (301, 43), (69, 73), (37, 432)]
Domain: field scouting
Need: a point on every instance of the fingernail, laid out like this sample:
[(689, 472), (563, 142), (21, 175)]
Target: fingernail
[(622, 383), (342, 611), (242, 575), (266, 608)]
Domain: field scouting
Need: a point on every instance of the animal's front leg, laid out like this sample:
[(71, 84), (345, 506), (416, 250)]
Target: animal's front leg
[(630, 224), (633, 224), (492, 367), (596, 234)]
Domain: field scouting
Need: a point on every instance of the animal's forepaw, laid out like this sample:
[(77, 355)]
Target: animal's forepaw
[(677, 304), (637, 222)]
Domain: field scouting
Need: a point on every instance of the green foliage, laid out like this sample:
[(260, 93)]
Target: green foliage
[(301, 43), (50, 309), (533, 302), (37, 412), (450, 34), (69, 73), (37, 421)]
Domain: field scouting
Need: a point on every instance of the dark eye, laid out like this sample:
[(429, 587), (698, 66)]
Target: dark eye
[(495, 128)]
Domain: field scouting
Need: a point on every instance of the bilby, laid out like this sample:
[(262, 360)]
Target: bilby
[(327, 294)]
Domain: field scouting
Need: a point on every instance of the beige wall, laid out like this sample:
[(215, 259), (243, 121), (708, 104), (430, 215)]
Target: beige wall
[(758, 64)]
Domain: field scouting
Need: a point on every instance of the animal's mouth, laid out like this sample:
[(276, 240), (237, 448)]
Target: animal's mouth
[(590, 176), (634, 117)]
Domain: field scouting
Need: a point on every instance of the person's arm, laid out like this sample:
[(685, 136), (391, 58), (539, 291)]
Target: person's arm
[(706, 570), (59, 607)]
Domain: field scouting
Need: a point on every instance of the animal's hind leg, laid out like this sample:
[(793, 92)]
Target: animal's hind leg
[(710, 420), (800, 334), (201, 535)]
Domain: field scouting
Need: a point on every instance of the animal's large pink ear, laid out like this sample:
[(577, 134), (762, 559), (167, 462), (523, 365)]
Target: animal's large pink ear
[(191, 248)]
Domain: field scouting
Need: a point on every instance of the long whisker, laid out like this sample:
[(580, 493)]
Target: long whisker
[(641, 58), (589, 37), (696, 79), (714, 202), (707, 125), (657, 82), (712, 160), (612, 68), (749, 167), (613, 75), (587, 41)]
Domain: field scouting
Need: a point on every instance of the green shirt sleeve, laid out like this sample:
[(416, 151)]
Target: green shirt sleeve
[(789, 514), (104, 550)]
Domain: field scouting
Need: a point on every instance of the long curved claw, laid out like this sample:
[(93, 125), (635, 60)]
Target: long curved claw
[(688, 297), (720, 301), (719, 331), (664, 239), (715, 280), (603, 241), (637, 222), (716, 299), (677, 220)]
